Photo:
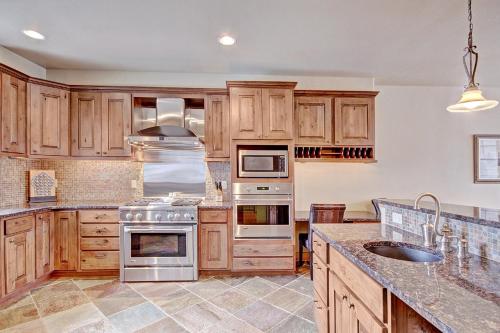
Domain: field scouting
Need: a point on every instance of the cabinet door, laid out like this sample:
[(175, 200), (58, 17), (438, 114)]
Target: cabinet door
[(49, 121), (65, 241), (13, 115), (213, 246), (19, 260), (217, 134), (354, 121), (362, 321), (246, 113), (277, 113), (44, 243), (313, 121), (116, 123), (85, 124)]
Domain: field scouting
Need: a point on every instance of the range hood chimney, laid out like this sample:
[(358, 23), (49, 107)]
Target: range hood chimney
[(168, 126)]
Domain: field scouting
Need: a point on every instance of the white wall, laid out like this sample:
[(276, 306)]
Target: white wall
[(15, 61), (203, 80), (419, 147)]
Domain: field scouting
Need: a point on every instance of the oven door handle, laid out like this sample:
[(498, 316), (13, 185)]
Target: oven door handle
[(157, 230)]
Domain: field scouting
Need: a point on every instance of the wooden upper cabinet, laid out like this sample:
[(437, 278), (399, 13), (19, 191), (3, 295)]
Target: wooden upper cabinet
[(277, 114), (246, 113), (49, 121), (116, 123), (13, 115), (44, 243), (313, 121), (217, 135), (354, 121), (85, 124), (65, 241)]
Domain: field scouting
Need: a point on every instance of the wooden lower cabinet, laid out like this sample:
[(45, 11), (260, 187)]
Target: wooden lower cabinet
[(65, 241), (19, 260), (214, 246), (214, 239), (347, 300), (44, 243), (99, 240)]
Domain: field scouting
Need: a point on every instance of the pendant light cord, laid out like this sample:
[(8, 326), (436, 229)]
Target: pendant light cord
[(470, 24)]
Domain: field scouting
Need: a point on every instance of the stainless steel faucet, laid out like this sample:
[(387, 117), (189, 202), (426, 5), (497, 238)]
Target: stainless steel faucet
[(430, 230)]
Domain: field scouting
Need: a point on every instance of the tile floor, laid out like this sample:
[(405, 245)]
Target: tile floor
[(278, 304)]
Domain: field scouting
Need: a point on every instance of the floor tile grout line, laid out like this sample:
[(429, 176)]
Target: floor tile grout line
[(159, 308), (223, 310), (289, 314)]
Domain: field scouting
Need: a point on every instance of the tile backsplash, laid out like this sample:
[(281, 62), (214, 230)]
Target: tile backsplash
[(216, 172), (88, 180), (83, 180), (483, 240)]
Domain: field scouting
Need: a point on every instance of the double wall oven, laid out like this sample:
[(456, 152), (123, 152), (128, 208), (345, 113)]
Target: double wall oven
[(262, 210)]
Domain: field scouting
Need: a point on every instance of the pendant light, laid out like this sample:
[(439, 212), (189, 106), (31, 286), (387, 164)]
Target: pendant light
[(472, 97)]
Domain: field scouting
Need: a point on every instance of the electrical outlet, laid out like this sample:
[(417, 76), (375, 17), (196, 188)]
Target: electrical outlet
[(224, 184), (397, 218), (133, 183)]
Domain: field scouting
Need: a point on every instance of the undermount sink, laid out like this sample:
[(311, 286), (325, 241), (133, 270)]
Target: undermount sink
[(403, 251)]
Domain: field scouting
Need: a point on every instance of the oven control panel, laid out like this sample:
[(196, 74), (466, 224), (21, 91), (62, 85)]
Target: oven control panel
[(262, 188)]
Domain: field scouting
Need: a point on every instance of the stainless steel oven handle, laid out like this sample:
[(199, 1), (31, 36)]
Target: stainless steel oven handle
[(156, 230)]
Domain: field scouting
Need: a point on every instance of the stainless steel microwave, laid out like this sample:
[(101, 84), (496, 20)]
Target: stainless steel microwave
[(255, 163)]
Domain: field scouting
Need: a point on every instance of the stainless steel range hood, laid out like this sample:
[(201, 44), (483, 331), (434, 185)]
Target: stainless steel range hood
[(168, 125)]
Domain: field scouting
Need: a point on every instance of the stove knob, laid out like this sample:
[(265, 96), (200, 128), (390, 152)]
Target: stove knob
[(129, 217), (170, 216), (177, 215), (138, 216), (277, 188), (158, 217), (187, 216)]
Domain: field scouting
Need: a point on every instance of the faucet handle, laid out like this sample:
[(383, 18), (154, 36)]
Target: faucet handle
[(463, 248)]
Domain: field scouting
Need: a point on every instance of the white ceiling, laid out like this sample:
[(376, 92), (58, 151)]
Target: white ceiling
[(395, 41)]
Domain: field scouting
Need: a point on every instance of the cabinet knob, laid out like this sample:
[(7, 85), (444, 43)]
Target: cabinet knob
[(344, 297), (104, 153), (351, 306)]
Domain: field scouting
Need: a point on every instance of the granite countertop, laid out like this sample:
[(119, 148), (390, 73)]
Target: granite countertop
[(454, 296), (477, 215), (349, 216), (216, 204), (60, 205)]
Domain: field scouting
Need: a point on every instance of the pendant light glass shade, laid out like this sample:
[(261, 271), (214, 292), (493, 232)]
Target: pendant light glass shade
[(472, 100)]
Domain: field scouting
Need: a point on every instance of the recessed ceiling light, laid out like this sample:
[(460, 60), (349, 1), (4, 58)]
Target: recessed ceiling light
[(227, 40), (33, 34)]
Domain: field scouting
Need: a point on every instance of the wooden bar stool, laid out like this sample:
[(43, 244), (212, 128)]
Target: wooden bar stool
[(320, 213)]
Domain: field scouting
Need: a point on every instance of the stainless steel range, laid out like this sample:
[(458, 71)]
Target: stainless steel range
[(158, 240)]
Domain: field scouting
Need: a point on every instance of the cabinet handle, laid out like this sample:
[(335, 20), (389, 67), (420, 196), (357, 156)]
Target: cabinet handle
[(101, 216), (98, 152), (344, 297), (319, 307), (351, 306), (11, 241), (104, 153), (101, 230), (100, 256), (316, 265)]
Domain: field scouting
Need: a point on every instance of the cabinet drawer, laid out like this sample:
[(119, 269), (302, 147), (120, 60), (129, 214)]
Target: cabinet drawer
[(213, 216), (96, 230), (262, 249), (244, 264), (100, 243), (19, 224), (320, 248), (320, 275), (98, 216), (372, 294), (320, 313), (99, 260)]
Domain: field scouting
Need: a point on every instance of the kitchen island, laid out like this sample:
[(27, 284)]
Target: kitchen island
[(453, 295)]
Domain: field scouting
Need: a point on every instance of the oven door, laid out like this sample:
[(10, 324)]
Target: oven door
[(262, 216), (262, 164), (158, 245)]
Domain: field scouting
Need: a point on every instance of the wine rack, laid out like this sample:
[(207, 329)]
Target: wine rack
[(364, 154)]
